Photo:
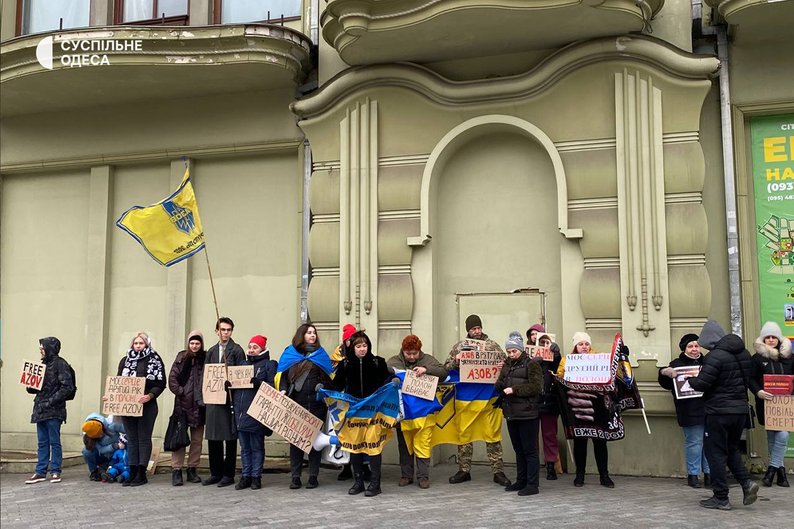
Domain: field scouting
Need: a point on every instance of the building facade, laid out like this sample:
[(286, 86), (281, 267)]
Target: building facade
[(396, 165)]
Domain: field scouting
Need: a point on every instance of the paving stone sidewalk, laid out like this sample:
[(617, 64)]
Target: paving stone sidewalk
[(480, 503)]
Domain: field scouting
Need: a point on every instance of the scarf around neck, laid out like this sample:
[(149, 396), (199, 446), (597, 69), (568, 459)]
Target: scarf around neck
[(154, 368)]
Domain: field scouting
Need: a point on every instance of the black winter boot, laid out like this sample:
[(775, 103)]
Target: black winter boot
[(256, 483), (176, 477), (358, 485), (140, 478), (133, 476), (693, 481), (192, 475), (551, 474), (769, 476), (782, 480), (244, 483), (707, 480), (374, 487)]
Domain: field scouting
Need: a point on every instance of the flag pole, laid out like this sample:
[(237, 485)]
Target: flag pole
[(212, 284), (207, 257)]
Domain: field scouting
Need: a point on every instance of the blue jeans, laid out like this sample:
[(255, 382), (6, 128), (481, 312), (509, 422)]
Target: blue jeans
[(50, 453), (693, 445), (94, 459), (777, 442), (252, 453)]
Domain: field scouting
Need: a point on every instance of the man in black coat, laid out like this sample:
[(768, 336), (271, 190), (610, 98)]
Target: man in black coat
[(220, 427), (49, 410), (723, 379)]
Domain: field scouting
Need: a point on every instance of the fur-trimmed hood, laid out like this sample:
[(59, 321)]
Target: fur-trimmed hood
[(783, 351)]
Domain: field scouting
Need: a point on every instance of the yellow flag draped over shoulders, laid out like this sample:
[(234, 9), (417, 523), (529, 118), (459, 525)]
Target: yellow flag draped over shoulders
[(170, 230)]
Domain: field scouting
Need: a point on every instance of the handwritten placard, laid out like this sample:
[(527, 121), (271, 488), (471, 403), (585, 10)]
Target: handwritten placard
[(779, 384), (32, 374), (286, 417), (480, 367), (122, 395), (423, 386), (681, 385), (591, 368), (240, 376), (544, 353), (779, 413), (212, 387)]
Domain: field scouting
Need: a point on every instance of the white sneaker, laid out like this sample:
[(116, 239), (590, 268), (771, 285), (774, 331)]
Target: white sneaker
[(35, 478), (55, 477)]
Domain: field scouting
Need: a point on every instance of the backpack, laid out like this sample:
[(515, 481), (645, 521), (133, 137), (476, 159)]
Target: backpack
[(71, 394)]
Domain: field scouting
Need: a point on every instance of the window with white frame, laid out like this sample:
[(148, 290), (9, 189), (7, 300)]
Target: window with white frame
[(233, 11), (49, 15)]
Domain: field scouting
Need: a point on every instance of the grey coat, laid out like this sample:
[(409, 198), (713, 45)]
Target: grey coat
[(220, 424)]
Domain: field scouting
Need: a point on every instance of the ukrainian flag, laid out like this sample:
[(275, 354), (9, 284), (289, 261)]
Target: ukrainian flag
[(170, 231), (419, 420), (468, 414), (364, 425)]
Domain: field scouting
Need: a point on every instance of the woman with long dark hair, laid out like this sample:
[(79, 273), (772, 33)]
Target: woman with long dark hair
[(303, 365)]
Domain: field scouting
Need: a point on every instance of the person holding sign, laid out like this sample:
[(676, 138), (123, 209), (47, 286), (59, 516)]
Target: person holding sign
[(520, 383), (303, 366), (184, 381), (220, 427), (582, 405), (690, 412), (466, 451), (142, 360), (412, 358), (49, 410), (251, 432), (549, 408), (723, 379), (772, 357), (361, 374)]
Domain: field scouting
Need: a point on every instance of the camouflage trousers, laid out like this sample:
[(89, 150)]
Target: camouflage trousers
[(494, 451)]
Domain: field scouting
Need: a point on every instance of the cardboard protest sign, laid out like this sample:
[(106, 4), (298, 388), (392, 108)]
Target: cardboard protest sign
[(240, 376), (779, 384), (212, 387), (32, 374), (423, 386), (779, 413), (478, 365), (591, 368), (122, 395), (681, 385), (544, 353), (286, 417)]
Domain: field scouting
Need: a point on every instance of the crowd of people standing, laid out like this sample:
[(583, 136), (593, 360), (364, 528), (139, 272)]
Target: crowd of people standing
[(712, 422)]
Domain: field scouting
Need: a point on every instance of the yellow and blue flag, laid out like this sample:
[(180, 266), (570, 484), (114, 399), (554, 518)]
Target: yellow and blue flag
[(364, 426), (170, 230)]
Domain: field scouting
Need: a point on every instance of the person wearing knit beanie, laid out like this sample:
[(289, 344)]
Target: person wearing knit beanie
[(581, 337), (472, 322), (772, 357), (493, 450), (514, 341), (93, 429), (347, 331), (259, 340)]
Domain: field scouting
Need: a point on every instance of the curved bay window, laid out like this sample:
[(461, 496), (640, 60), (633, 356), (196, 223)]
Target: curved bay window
[(170, 12), (34, 16), (237, 11)]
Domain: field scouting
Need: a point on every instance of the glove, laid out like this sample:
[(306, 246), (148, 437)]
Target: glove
[(318, 387), (227, 385), (253, 381)]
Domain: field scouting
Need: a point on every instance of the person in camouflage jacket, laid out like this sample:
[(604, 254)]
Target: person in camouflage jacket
[(465, 451)]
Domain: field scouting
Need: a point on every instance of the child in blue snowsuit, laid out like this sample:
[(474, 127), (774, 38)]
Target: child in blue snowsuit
[(118, 467)]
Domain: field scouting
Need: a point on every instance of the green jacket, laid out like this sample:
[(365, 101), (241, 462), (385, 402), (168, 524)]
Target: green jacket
[(427, 361)]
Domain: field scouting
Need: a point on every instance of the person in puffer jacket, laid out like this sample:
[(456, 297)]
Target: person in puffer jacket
[(119, 468), (723, 379), (519, 385), (100, 439), (772, 357)]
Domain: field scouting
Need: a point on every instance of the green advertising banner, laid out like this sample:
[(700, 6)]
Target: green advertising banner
[(773, 178)]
